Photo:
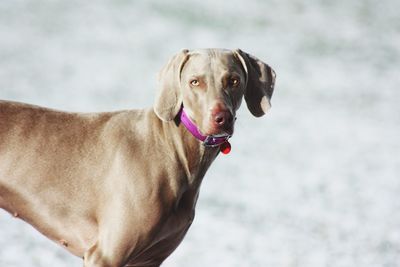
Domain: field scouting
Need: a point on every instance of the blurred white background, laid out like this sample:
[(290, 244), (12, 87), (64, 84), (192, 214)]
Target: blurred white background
[(314, 183)]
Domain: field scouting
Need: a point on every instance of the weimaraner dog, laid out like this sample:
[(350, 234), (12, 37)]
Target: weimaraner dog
[(120, 188)]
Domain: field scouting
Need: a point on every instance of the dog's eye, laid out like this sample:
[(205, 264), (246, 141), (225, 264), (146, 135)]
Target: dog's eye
[(235, 82), (195, 82)]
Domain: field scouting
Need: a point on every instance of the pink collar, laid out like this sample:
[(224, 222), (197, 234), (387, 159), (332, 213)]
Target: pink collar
[(208, 140)]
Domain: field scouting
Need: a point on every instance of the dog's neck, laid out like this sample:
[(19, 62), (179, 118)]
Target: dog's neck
[(193, 155)]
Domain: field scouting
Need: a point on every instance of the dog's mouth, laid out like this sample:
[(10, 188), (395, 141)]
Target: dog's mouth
[(218, 135), (220, 131)]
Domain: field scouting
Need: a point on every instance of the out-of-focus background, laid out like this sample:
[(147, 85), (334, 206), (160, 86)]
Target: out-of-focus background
[(314, 183)]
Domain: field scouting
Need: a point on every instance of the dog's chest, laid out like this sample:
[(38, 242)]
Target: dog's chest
[(171, 232)]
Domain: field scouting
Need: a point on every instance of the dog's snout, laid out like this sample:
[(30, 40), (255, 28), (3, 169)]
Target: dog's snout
[(222, 118)]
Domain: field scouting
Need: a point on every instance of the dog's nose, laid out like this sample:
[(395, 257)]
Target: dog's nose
[(223, 118)]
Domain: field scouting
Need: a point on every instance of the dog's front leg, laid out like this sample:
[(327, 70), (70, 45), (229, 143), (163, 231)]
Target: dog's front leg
[(116, 252), (125, 231)]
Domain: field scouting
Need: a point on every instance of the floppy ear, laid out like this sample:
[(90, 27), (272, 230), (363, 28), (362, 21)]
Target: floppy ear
[(168, 100), (260, 83)]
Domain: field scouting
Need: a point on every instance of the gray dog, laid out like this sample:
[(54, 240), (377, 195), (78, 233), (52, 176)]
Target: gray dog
[(120, 188)]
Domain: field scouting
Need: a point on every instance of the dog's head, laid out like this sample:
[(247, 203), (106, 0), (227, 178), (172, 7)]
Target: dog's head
[(210, 84)]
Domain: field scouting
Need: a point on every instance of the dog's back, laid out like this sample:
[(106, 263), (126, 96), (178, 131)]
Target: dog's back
[(39, 174)]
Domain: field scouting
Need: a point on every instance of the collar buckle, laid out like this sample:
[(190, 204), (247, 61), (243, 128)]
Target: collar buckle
[(215, 140)]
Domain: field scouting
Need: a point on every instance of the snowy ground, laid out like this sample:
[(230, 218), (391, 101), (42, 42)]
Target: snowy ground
[(314, 183)]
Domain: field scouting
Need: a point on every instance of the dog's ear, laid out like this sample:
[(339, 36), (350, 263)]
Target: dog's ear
[(168, 100), (260, 83)]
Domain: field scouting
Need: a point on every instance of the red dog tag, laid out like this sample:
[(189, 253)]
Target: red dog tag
[(225, 148)]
